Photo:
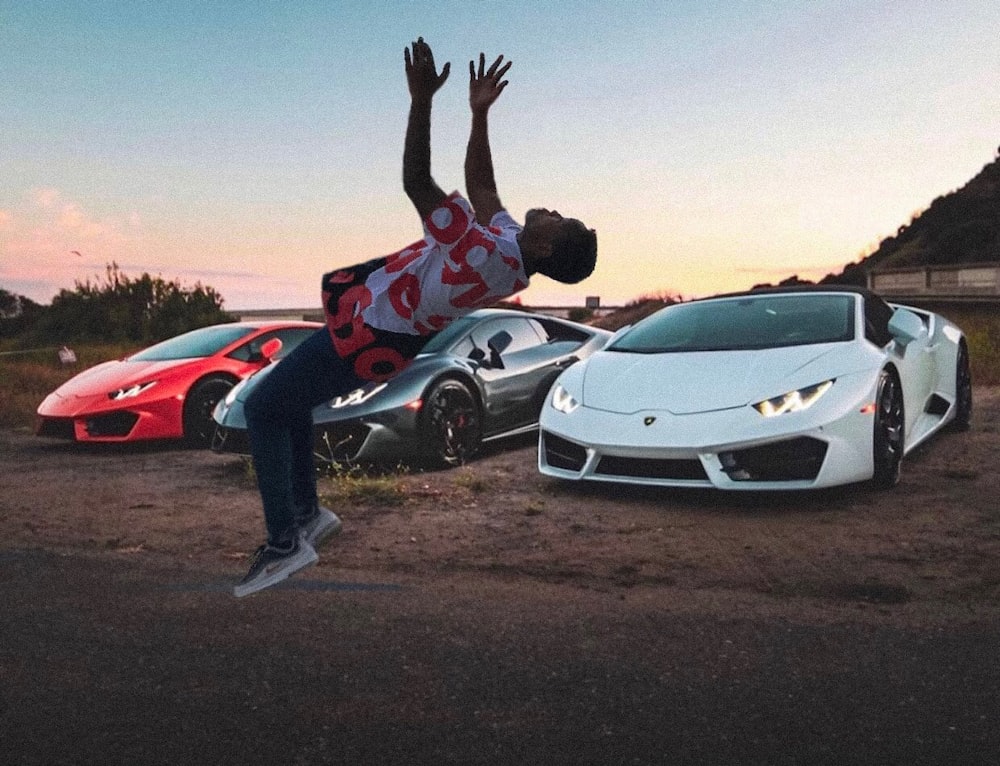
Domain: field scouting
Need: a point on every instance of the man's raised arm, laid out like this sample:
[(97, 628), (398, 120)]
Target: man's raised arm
[(485, 87), (423, 81)]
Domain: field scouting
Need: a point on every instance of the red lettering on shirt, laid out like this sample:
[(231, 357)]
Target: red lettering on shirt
[(341, 277), (347, 327), (458, 222), (404, 294), (400, 260), (467, 274), (379, 363)]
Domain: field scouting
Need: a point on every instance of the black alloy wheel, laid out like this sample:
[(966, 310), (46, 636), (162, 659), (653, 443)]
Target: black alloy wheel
[(452, 424), (963, 391), (199, 427), (887, 441)]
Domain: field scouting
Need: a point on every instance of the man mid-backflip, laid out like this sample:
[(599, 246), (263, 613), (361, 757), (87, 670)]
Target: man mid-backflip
[(379, 314)]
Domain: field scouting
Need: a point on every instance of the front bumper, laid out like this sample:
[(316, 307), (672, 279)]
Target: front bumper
[(94, 421), (729, 449), (378, 437)]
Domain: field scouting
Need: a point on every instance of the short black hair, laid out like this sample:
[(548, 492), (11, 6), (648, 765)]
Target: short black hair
[(574, 253)]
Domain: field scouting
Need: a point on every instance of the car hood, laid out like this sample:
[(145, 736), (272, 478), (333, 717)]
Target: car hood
[(109, 376), (412, 379), (704, 381)]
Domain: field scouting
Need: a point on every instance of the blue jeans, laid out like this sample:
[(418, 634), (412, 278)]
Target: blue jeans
[(280, 428)]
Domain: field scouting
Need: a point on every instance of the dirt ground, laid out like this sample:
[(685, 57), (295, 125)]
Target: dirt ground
[(488, 614)]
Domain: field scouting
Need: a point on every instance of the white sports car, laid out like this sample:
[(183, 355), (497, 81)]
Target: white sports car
[(780, 388)]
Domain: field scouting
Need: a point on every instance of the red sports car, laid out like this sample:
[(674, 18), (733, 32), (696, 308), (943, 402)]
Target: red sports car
[(167, 391)]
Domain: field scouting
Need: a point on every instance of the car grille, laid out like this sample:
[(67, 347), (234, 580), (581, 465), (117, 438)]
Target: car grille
[(651, 468), (562, 453), (113, 424), (793, 460), (57, 428)]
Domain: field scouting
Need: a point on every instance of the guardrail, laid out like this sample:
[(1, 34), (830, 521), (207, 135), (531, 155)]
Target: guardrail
[(966, 282)]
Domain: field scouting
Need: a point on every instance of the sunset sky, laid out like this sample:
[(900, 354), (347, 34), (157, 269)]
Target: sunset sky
[(252, 146)]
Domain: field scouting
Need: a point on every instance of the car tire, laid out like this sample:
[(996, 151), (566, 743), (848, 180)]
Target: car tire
[(198, 406), (451, 425), (963, 391), (888, 434)]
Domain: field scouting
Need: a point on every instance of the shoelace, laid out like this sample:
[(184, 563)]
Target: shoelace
[(259, 553)]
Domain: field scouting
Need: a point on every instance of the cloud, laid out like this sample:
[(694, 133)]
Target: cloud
[(75, 221), (41, 232), (44, 197), (49, 226)]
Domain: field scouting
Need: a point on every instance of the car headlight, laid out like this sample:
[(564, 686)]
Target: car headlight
[(131, 392), (793, 401), (563, 400), (357, 396)]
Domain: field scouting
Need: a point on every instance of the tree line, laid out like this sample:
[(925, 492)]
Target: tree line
[(113, 308)]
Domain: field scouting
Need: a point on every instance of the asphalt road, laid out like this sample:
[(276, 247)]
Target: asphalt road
[(109, 660)]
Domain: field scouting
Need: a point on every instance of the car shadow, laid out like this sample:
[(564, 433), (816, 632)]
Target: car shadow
[(707, 499), (145, 447)]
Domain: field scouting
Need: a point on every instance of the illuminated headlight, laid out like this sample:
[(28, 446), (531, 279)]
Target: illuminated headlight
[(357, 396), (563, 400), (131, 392), (793, 401)]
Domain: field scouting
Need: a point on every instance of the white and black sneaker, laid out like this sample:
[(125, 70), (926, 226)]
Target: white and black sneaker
[(318, 527), (271, 564)]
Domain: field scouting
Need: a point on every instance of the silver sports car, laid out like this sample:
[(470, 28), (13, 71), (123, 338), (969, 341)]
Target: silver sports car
[(483, 377)]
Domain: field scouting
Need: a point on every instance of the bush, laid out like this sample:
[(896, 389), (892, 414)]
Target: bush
[(123, 309)]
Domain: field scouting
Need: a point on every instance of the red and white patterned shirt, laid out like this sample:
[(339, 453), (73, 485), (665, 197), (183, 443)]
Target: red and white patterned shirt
[(380, 313)]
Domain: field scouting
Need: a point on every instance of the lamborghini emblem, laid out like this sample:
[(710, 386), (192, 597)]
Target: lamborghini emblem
[(648, 420)]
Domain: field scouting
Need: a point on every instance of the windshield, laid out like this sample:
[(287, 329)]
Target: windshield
[(194, 344), (444, 339), (746, 322)]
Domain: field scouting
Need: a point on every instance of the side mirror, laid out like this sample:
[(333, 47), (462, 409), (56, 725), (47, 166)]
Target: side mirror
[(497, 345), (906, 327), (270, 349), (267, 350)]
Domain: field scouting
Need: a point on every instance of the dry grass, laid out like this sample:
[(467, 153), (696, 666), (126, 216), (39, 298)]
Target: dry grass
[(27, 378), (982, 329)]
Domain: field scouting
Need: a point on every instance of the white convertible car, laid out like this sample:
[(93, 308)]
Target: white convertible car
[(781, 388)]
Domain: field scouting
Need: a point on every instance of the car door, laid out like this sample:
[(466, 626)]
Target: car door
[(511, 375), (916, 360)]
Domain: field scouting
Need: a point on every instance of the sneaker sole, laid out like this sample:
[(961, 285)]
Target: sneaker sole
[(282, 574), (324, 533), (331, 526)]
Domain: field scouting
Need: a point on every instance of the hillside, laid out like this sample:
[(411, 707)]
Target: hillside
[(960, 227)]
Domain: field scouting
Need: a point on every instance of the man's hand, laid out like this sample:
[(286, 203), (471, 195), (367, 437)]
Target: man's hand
[(421, 74), (486, 86), (423, 80)]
